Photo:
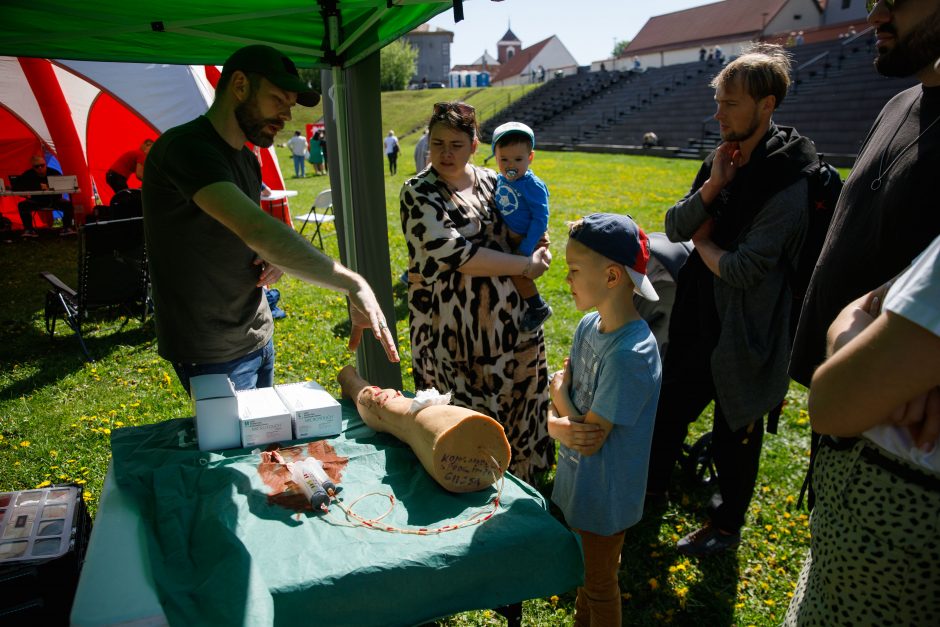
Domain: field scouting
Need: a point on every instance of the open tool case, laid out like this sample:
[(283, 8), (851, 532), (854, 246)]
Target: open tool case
[(43, 536)]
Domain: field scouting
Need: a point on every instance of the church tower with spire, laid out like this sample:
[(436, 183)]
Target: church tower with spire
[(508, 46)]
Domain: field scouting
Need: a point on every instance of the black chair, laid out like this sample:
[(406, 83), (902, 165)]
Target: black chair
[(112, 274), (126, 203)]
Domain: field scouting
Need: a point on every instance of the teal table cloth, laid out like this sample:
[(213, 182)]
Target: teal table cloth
[(224, 552)]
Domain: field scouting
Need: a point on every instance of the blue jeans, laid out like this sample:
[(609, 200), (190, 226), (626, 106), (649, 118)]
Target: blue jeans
[(299, 168), (254, 370)]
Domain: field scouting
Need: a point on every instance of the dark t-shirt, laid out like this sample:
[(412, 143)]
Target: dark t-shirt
[(207, 307), (31, 181), (875, 234)]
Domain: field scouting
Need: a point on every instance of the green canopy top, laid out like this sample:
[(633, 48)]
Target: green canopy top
[(314, 33)]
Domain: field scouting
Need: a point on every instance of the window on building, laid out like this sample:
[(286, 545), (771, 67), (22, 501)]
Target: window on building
[(797, 16), (846, 4)]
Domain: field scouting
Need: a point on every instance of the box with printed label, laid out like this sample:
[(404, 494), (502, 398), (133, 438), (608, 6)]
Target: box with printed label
[(216, 412), (263, 416), (314, 412)]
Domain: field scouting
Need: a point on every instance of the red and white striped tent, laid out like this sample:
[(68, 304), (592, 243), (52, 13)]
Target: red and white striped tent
[(88, 113)]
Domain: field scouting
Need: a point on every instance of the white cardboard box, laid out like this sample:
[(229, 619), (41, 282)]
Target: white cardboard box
[(263, 417), (216, 411), (314, 412)]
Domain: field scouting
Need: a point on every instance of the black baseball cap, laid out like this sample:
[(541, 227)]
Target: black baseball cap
[(618, 238), (274, 66)]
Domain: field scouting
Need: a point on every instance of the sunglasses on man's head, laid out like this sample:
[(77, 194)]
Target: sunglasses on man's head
[(39, 166), (891, 5)]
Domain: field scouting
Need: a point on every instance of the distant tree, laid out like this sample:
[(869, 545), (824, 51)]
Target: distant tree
[(312, 76), (620, 46), (397, 64)]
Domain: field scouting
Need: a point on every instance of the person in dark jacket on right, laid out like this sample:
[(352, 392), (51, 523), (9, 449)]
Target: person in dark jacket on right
[(729, 338)]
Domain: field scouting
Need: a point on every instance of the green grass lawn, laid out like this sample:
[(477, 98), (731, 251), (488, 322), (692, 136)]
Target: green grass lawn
[(57, 411)]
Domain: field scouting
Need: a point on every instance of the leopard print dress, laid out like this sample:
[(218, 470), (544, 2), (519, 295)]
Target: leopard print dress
[(465, 334)]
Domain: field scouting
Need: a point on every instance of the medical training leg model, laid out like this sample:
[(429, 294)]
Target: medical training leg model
[(464, 451)]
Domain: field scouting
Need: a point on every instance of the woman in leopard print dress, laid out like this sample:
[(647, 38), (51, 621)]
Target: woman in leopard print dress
[(464, 310)]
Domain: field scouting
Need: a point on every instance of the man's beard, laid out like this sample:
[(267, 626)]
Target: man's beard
[(740, 137), (252, 124), (916, 51)]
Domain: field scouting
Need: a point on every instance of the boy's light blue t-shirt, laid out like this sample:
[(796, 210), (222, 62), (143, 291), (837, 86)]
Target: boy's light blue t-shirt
[(523, 204), (617, 376)]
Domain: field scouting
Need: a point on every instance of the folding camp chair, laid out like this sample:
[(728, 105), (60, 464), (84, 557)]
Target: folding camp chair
[(323, 202), (112, 274)]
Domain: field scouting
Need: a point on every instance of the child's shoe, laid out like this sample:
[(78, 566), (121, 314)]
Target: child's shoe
[(534, 317)]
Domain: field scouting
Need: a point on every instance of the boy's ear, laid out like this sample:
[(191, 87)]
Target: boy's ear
[(615, 274), (531, 155)]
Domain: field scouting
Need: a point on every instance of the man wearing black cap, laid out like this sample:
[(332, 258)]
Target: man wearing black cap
[(210, 246)]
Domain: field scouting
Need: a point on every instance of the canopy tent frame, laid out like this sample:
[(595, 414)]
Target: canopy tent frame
[(179, 32)]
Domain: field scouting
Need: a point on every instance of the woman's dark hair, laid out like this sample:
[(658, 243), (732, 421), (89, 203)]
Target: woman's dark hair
[(458, 116)]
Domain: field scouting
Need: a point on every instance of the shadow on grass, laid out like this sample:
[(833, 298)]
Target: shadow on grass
[(48, 360)]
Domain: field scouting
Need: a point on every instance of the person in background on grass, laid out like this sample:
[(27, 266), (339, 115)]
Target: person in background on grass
[(729, 332), (463, 308), (131, 162), (36, 178), (874, 556), (210, 246), (522, 200), (391, 151), (298, 153), (326, 158), (421, 153), (604, 404), (316, 153)]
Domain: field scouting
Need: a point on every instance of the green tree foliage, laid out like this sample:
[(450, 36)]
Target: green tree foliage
[(398, 61), (620, 47)]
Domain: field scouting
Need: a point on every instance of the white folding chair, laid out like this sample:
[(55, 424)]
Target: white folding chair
[(320, 213)]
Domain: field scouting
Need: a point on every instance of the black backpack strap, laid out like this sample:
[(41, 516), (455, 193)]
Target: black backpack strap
[(807, 488)]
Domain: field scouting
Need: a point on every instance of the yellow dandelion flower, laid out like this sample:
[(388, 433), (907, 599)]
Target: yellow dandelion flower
[(554, 600), (44, 484), (654, 584), (86, 495), (769, 602), (24, 443), (54, 453), (626, 596)]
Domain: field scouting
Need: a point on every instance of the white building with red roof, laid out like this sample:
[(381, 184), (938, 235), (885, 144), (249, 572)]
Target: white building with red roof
[(518, 65), (731, 26)]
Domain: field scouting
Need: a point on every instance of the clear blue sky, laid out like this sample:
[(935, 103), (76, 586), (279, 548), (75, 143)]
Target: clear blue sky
[(588, 28)]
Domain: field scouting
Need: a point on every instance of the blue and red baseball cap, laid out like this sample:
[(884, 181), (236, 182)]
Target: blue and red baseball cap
[(618, 238)]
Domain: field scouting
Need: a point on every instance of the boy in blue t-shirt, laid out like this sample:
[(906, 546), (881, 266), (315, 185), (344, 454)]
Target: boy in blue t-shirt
[(604, 403), (522, 200)]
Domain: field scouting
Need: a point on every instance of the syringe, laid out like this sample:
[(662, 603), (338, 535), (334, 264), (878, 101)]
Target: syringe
[(303, 474)]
